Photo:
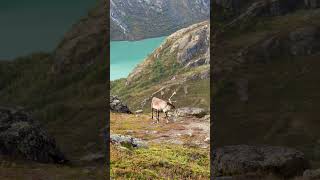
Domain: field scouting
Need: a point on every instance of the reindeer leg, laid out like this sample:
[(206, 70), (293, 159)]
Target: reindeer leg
[(167, 118), (152, 113), (158, 116)]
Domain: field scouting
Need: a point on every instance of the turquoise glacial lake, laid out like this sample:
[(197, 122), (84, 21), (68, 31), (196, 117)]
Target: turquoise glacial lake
[(126, 55)]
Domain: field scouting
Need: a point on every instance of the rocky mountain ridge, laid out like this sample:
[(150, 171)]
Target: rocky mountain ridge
[(85, 43), (140, 19)]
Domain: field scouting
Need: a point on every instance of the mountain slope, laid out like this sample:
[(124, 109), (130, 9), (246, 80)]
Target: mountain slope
[(65, 90), (140, 19), (181, 63), (265, 81)]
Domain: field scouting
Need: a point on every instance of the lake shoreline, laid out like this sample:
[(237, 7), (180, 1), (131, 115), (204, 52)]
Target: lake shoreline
[(126, 55)]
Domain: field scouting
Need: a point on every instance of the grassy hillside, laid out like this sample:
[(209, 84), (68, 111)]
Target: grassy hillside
[(162, 69), (282, 90), (68, 105)]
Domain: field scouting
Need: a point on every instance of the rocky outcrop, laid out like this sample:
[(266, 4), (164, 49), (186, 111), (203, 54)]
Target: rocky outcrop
[(302, 41), (85, 43), (117, 106), (190, 47), (22, 136), (127, 141), (243, 159), (191, 111), (154, 18), (234, 5), (260, 8)]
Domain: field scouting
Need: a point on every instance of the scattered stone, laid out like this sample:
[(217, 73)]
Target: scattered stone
[(243, 159), (139, 111), (22, 136), (206, 118), (117, 106), (127, 141), (207, 140)]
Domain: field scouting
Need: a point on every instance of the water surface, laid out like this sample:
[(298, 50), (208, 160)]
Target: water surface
[(126, 55), (29, 26)]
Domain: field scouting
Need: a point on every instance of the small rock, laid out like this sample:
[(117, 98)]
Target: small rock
[(206, 118), (139, 111), (207, 139)]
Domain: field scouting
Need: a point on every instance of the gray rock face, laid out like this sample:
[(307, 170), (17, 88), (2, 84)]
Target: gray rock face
[(117, 106), (191, 111), (190, 45), (242, 159), (234, 5), (127, 141), (21, 136), (299, 42), (154, 18), (85, 43), (265, 8)]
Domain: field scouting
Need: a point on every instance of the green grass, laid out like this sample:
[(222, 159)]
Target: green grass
[(160, 162)]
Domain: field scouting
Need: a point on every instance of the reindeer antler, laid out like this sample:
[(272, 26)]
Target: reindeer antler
[(174, 93)]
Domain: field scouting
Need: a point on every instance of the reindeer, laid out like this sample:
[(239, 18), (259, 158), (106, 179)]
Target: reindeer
[(162, 105)]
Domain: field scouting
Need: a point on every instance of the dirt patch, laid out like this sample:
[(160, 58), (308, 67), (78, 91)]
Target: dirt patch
[(187, 131)]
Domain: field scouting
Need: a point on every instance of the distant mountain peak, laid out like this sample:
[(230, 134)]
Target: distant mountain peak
[(139, 19)]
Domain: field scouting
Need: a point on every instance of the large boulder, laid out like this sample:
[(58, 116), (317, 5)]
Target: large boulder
[(127, 141), (191, 111), (21, 136), (117, 106), (243, 159)]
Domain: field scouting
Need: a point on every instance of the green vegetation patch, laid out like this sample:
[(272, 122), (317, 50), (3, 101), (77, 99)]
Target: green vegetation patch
[(160, 162)]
